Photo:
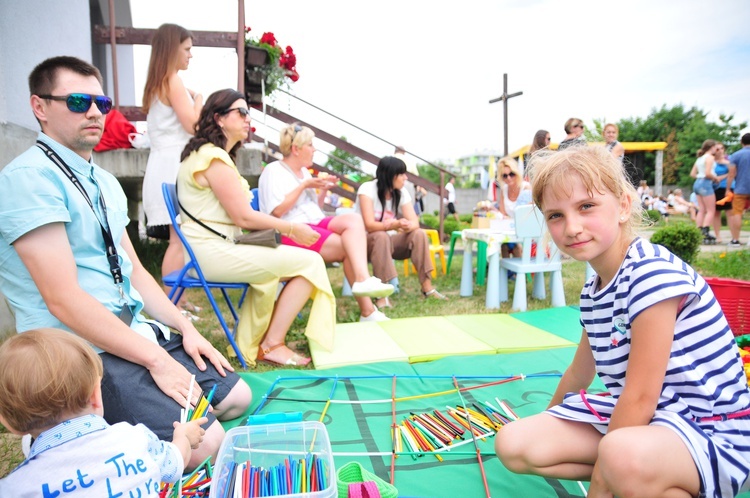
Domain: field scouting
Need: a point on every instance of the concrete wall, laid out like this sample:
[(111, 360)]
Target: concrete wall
[(34, 30), (466, 200), (128, 165), (31, 31)]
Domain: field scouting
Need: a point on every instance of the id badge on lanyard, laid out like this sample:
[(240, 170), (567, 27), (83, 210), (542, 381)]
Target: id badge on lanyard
[(126, 314)]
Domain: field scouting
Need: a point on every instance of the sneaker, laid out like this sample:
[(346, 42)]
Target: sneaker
[(735, 243), (372, 287), (375, 316)]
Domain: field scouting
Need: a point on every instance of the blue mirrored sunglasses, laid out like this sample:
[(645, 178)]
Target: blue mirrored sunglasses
[(81, 102)]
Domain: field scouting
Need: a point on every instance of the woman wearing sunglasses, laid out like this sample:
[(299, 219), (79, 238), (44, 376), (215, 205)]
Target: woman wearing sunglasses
[(288, 191), (513, 190), (172, 111), (541, 141), (574, 128), (210, 188)]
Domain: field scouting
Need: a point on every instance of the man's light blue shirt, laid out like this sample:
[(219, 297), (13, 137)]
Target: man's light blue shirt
[(741, 159), (35, 192)]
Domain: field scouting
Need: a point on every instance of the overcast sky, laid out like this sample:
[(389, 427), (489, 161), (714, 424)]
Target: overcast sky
[(421, 73)]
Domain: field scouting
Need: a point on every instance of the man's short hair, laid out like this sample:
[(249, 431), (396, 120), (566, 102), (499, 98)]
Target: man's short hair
[(745, 140), (45, 374), (44, 76)]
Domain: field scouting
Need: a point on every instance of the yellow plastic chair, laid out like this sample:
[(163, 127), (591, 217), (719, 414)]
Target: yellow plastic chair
[(435, 248)]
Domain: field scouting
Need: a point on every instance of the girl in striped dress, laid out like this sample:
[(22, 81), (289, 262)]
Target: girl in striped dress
[(675, 417)]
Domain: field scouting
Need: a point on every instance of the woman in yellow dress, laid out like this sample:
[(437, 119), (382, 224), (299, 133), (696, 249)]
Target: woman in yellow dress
[(211, 189)]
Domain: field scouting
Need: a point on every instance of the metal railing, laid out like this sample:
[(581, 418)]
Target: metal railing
[(113, 34)]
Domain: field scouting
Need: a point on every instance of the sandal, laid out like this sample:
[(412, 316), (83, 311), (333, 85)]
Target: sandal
[(190, 316), (434, 293), (188, 306), (383, 302), (294, 361)]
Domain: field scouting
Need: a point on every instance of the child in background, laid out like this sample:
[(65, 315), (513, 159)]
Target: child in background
[(661, 205), (51, 385), (675, 418)]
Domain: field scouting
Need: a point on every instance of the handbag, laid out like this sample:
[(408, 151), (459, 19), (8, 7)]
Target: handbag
[(267, 237), (117, 130)]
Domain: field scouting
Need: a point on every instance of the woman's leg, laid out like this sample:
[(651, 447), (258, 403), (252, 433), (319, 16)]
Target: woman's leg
[(548, 446), (348, 244), (174, 259), (717, 225), (293, 297), (352, 241), (701, 215), (366, 307), (710, 203), (380, 254), (416, 246)]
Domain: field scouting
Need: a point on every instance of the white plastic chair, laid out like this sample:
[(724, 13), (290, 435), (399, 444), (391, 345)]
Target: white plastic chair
[(529, 229)]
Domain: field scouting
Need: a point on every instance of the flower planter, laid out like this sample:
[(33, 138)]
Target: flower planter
[(255, 56)]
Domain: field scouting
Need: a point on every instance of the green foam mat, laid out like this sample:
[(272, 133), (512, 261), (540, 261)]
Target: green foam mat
[(359, 418), (564, 322), (507, 334)]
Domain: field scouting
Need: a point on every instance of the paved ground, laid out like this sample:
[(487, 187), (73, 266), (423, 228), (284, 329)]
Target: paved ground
[(725, 237)]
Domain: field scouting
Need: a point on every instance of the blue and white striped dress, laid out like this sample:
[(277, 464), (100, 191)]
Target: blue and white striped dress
[(704, 376)]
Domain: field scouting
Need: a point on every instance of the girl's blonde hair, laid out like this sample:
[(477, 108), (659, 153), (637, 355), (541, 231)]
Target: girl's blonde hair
[(165, 47), (294, 134), (595, 166), (45, 375)]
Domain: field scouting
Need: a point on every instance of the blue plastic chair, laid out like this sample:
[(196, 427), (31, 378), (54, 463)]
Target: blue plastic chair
[(179, 280), (255, 203), (529, 228)]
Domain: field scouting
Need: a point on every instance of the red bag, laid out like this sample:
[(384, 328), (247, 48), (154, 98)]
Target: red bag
[(116, 131)]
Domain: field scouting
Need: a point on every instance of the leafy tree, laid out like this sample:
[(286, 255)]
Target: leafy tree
[(595, 134), (429, 173), (343, 162), (684, 130)]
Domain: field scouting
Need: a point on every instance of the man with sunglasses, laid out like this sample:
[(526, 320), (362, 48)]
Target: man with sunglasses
[(66, 262)]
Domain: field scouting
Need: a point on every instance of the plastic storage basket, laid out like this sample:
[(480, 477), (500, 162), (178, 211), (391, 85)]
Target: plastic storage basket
[(734, 298), (268, 446)]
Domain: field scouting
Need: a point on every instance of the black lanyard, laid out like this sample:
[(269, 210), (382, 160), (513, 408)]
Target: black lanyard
[(112, 258)]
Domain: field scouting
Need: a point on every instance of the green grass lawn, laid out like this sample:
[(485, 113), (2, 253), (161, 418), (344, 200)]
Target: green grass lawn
[(408, 303)]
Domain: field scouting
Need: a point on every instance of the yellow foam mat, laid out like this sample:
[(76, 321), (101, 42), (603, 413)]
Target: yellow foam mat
[(432, 337), (507, 334), (428, 338), (357, 343)]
